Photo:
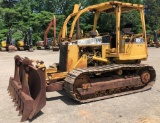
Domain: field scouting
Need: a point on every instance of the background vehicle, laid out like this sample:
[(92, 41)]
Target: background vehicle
[(27, 44), (156, 38), (153, 39), (48, 43), (9, 44), (89, 69)]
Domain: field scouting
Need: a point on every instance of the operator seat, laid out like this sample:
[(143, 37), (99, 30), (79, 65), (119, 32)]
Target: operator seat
[(93, 33)]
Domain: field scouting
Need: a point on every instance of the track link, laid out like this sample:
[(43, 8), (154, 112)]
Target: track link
[(139, 86)]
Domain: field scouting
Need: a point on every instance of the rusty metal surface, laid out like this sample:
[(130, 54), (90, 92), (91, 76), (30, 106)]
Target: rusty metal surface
[(105, 86), (55, 86), (119, 94), (20, 48), (12, 48), (27, 88), (145, 76), (40, 43), (142, 79)]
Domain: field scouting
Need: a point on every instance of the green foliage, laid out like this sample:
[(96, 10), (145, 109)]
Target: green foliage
[(36, 38), (38, 14), (106, 23), (21, 16), (18, 35), (152, 14)]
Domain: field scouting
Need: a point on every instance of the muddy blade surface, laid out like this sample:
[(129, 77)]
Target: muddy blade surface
[(27, 88)]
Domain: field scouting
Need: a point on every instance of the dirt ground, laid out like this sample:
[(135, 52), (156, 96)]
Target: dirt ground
[(141, 107)]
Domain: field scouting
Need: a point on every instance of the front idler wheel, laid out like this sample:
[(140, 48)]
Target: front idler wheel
[(145, 76)]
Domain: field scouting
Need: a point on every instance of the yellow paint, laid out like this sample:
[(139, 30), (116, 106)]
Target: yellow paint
[(99, 8), (20, 43), (73, 57), (124, 51), (96, 15), (50, 71), (133, 51), (105, 48), (143, 28), (76, 8), (99, 59), (118, 18), (57, 76), (3, 44), (82, 62)]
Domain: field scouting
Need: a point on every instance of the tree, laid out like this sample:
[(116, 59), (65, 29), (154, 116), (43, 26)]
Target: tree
[(37, 14), (152, 13)]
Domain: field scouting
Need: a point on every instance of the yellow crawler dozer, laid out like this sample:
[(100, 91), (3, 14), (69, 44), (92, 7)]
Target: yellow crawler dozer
[(97, 67)]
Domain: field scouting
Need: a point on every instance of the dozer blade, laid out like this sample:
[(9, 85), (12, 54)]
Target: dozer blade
[(27, 88)]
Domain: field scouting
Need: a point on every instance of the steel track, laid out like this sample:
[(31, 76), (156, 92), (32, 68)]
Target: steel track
[(71, 77)]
